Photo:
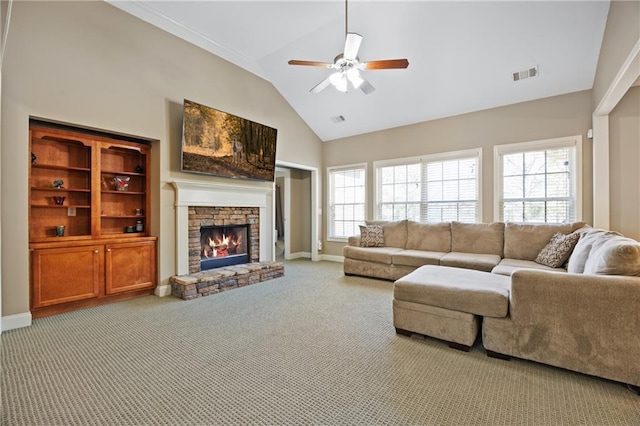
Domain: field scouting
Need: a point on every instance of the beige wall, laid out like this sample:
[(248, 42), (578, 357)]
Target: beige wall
[(621, 34), (548, 118), (300, 220), (91, 64), (624, 161)]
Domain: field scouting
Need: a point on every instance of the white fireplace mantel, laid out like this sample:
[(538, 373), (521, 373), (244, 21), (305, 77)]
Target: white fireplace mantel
[(201, 194)]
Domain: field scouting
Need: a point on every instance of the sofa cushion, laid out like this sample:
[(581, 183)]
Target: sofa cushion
[(482, 238), (590, 240), (371, 236), (429, 236), (525, 240), (617, 256), (481, 262), (509, 266), (395, 233), (557, 250), (462, 290), (417, 258), (370, 254)]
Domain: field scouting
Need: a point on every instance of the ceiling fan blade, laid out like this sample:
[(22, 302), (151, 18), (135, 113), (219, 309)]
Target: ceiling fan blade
[(321, 86), (386, 64), (366, 87), (352, 45), (310, 63)]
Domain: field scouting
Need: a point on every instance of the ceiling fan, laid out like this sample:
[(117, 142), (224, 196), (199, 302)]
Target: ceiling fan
[(348, 67)]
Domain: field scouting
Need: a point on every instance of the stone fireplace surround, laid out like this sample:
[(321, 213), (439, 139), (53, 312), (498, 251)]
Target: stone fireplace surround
[(222, 216), (228, 197)]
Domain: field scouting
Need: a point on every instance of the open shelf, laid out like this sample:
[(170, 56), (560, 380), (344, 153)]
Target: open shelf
[(40, 188), (138, 217), (120, 172), (87, 165), (60, 167), (52, 206), (107, 191)]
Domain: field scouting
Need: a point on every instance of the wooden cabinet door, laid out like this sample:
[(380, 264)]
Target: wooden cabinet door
[(130, 266), (66, 274)]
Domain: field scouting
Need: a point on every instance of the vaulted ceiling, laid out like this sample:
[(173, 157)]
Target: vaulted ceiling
[(462, 55)]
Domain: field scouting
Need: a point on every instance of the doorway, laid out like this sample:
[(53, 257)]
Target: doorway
[(296, 225)]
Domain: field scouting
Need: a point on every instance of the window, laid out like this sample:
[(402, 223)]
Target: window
[(347, 195), (435, 188), (539, 181), (400, 190)]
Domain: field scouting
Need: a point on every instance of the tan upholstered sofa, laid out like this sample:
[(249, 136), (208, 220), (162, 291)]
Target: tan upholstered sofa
[(490, 247), (583, 316)]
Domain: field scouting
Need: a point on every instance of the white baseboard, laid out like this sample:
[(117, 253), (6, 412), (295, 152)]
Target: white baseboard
[(162, 290), (11, 322), (332, 258), (299, 254)]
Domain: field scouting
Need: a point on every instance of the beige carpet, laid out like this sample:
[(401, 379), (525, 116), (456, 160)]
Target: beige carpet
[(313, 347)]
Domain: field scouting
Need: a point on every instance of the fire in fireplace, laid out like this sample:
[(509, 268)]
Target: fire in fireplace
[(224, 246)]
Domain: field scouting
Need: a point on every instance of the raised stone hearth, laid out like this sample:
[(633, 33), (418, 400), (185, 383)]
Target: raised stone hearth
[(214, 281)]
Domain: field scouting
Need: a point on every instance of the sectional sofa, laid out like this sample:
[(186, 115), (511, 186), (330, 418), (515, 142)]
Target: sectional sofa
[(576, 308)]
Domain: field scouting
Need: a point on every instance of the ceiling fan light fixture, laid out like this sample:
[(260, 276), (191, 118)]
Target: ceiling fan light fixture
[(353, 75), (335, 78), (339, 81), (342, 84)]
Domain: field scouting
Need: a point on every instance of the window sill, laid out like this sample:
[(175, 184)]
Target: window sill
[(337, 240)]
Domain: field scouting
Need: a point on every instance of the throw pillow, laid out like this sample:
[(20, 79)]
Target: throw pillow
[(371, 236), (557, 250), (617, 256)]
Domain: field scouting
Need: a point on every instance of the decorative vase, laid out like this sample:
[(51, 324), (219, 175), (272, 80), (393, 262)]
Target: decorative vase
[(58, 201), (122, 183)]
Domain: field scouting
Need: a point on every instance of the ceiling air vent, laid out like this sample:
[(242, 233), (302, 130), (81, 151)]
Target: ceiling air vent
[(521, 75), (338, 119)]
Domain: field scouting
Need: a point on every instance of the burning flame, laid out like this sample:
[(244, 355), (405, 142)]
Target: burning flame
[(220, 247)]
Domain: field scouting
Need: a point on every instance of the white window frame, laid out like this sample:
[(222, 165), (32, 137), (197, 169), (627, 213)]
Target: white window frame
[(330, 171), (423, 159), (564, 142)]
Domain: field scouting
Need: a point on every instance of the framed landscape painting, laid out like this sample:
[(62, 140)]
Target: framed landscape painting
[(221, 144)]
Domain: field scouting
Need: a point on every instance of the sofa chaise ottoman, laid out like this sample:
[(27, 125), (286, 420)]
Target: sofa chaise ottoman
[(447, 303)]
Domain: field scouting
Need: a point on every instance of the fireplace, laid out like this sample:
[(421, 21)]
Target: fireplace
[(240, 226), (224, 246), (221, 204)]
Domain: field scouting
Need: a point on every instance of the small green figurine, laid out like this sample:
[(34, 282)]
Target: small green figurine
[(57, 183)]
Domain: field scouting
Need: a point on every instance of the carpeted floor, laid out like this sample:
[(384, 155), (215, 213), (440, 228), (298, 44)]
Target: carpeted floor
[(313, 347)]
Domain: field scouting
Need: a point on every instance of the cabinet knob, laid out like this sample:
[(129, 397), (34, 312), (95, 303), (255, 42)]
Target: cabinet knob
[(96, 251), (108, 250)]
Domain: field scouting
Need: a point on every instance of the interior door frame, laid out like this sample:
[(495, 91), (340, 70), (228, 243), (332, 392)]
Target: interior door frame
[(285, 167)]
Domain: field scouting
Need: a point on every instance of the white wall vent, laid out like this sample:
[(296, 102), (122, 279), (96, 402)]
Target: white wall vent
[(338, 119), (521, 75)]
